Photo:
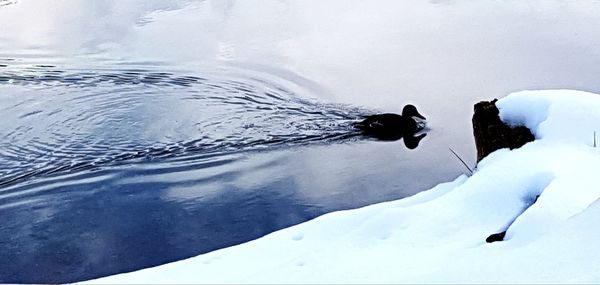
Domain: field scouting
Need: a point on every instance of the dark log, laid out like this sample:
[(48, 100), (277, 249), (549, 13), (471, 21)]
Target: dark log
[(492, 134)]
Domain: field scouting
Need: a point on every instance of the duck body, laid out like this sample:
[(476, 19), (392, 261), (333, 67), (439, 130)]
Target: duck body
[(390, 126), (387, 126)]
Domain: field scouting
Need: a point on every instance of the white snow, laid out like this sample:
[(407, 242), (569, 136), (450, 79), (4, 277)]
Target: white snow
[(439, 235)]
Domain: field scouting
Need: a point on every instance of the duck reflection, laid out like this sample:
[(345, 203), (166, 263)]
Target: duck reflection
[(391, 127)]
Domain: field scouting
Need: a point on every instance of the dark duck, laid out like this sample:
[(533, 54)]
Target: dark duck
[(391, 127)]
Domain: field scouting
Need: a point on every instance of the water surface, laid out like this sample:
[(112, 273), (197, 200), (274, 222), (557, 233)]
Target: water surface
[(136, 133)]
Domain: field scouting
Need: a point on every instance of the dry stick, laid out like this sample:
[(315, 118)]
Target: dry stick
[(594, 138), (461, 160)]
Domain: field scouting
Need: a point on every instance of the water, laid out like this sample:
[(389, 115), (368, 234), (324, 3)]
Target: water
[(135, 133), (84, 119)]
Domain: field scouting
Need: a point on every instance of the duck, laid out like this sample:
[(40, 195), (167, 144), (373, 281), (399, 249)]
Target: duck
[(389, 126)]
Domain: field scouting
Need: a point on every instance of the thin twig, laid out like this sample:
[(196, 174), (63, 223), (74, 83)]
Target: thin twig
[(594, 138), (461, 160)]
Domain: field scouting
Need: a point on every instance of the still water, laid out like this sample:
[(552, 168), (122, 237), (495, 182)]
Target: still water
[(135, 133)]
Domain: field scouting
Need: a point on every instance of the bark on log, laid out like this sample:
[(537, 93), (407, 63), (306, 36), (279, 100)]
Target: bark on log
[(492, 134)]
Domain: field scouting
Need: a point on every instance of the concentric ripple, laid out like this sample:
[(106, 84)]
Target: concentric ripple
[(65, 120)]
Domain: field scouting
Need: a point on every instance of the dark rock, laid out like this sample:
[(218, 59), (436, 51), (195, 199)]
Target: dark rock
[(492, 134), (496, 237)]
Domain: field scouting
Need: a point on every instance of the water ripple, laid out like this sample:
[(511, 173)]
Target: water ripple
[(61, 121)]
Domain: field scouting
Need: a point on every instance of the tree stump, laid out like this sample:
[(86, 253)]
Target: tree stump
[(492, 134)]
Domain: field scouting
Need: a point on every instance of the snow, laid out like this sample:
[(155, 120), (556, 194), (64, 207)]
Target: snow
[(439, 235)]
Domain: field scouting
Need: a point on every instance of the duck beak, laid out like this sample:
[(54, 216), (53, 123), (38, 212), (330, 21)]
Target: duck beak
[(420, 116)]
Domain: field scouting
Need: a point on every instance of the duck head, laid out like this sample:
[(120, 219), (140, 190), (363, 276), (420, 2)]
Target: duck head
[(410, 111)]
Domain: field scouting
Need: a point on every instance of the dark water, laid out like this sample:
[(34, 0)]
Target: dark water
[(135, 133)]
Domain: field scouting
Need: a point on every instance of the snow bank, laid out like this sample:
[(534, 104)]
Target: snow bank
[(439, 235)]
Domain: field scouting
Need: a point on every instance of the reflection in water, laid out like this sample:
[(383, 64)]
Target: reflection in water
[(139, 132), (103, 225), (412, 141), (108, 171)]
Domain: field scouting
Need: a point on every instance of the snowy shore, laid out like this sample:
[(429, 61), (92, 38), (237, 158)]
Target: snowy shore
[(439, 235)]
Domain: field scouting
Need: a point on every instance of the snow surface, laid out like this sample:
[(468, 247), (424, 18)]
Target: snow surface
[(439, 235)]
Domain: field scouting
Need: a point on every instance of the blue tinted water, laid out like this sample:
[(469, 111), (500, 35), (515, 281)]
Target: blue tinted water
[(135, 133), (107, 171)]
